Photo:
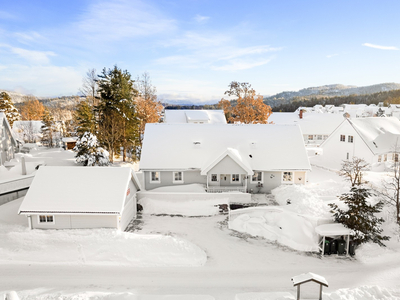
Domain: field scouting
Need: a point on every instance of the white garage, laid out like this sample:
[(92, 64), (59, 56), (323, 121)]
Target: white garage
[(81, 197)]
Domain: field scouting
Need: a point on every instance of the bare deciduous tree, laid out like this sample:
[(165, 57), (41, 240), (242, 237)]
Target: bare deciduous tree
[(90, 87), (391, 185), (352, 170)]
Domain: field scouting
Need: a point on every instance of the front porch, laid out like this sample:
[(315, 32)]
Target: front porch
[(223, 183)]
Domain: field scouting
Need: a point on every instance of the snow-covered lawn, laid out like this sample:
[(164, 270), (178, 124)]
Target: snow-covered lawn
[(200, 258)]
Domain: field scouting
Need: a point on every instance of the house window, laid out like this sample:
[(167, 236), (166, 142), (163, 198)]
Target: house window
[(342, 138), (257, 177), (385, 157), (214, 177), (350, 139), (319, 137), (287, 177), (379, 158), (155, 177), (235, 178), (347, 156), (310, 137), (46, 219), (325, 137), (395, 157), (178, 177)]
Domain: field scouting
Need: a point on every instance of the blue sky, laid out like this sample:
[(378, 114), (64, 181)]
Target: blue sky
[(193, 49)]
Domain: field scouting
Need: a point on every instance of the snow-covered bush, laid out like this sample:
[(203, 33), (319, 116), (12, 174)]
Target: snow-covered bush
[(89, 153)]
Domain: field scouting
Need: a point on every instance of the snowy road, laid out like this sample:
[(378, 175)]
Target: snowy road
[(235, 265)]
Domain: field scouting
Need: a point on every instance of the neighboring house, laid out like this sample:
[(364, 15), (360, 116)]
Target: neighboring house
[(8, 142), (69, 142), (372, 139), (223, 157), (194, 116), (81, 197), (28, 131), (315, 127)]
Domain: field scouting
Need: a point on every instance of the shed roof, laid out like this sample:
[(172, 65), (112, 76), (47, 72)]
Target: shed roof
[(189, 146), (306, 277), (193, 115), (77, 190), (333, 229)]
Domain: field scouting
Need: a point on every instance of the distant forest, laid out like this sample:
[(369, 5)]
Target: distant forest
[(390, 97)]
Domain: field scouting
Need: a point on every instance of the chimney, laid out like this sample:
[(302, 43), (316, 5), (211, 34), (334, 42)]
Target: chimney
[(301, 114)]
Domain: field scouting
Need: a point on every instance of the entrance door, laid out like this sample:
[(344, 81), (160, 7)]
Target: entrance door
[(225, 179)]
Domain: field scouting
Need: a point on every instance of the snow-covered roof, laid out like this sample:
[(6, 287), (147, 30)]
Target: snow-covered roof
[(191, 116), (90, 190), (302, 278), (333, 229), (190, 146), (311, 123), (69, 139), (380, 134)]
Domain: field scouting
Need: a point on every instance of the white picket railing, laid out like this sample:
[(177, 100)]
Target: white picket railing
[(225, 189)]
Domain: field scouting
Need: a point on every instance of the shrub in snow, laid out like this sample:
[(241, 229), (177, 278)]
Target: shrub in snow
[(360, 216), (89, 153)]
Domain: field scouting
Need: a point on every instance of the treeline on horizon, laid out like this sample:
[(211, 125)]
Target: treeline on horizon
[(389, 97)]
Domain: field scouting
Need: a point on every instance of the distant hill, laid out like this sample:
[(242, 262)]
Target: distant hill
[(326, 91)]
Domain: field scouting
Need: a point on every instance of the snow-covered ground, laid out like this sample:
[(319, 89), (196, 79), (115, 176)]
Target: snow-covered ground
[(199, 258)]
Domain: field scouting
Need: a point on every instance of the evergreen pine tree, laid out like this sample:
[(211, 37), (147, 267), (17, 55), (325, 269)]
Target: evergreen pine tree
[(118, 125), (360, 216), (48, 129), (88, 151), (84, 118), (9, 109)]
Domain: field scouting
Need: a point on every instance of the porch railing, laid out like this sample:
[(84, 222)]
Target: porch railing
[(225, 189)]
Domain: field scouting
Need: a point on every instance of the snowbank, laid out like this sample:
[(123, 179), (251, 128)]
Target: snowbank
[(96, 246), (302, 200), (90, 246), (277, 224), (187, 188), (171, 206)]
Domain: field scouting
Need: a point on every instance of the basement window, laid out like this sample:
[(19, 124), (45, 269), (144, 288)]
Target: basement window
[(46, 219), (178, 177), (155, 177)]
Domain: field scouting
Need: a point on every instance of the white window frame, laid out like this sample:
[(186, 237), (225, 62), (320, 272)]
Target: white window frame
[(343, 138), (310, 137), (46, 217), (173, 177), (234, 181), (151, 177), (216, 176), (288, 181), (350, 139), (319, 137), (262, 177)]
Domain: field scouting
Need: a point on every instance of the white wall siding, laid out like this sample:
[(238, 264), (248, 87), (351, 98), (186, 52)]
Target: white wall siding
[(227, 166), (77, 222)]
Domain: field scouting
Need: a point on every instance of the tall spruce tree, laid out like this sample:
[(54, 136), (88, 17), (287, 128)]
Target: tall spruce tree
[(118, 125), (9, 109), (84, 118), (360, 216)]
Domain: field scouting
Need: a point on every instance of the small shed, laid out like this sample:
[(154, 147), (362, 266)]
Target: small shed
[(69, 142), (309, 277), (81, 197), (333, 230)]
